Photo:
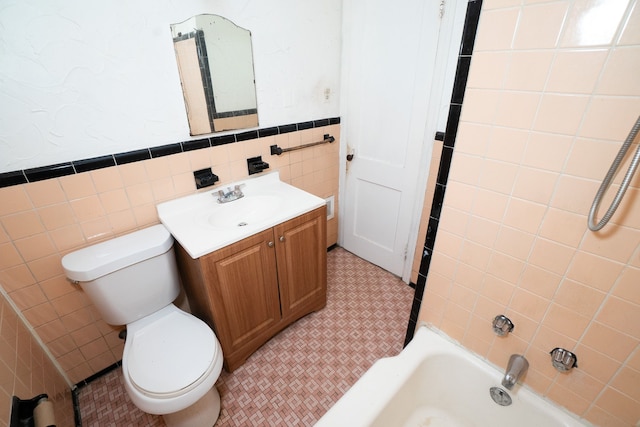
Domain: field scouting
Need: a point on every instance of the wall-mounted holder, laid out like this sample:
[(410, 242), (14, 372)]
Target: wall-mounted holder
[(502, 325), (563, 360), (275, 150), (256, 165), (23, 410), (205, 178)]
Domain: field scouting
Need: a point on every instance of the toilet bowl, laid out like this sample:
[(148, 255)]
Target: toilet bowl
[(171, 359)]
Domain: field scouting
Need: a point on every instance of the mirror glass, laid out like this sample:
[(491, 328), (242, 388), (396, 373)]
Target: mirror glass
[(215, 62)]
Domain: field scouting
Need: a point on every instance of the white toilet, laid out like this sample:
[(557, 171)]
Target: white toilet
[(171, 358)]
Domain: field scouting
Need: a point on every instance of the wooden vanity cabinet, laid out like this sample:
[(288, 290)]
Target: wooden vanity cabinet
[(250, 290)]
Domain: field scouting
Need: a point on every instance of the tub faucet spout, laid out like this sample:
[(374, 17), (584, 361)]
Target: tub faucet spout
[(516, 368)]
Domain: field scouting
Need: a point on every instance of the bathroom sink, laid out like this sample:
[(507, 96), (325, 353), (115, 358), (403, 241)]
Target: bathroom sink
[(202, 225), (245, 211)]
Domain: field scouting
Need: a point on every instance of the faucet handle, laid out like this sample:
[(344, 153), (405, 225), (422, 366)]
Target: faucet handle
[(502, 325), (237, 192), (563, 360)]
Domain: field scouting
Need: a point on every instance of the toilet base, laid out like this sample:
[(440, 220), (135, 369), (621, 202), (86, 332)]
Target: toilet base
[(203, 413)]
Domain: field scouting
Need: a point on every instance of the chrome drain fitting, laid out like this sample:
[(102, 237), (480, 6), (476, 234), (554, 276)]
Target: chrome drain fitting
[(500, 396)]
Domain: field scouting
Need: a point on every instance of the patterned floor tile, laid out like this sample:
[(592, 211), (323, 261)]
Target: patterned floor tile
[(299, 374)]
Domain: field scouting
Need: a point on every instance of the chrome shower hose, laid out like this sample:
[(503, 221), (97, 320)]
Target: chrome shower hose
[(606, 182)]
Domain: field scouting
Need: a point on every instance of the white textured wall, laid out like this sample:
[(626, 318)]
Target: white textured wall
[(81, 79)]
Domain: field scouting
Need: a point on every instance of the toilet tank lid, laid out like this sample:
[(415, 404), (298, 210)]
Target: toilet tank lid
[(103, 258)]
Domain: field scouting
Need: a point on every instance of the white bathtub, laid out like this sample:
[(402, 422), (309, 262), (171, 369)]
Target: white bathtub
[(434, 382)]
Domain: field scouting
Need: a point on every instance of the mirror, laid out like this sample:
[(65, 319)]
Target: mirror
[(215, 62)]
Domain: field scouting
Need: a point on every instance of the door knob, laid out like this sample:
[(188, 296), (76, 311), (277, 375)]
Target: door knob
[(270, 244), (282, 238), (349, 157)]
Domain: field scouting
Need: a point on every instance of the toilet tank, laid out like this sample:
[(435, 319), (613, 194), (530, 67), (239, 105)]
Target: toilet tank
[(129, 277)]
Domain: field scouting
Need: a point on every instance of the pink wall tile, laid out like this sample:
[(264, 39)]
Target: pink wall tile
[(56, 216), (133, 173), (621, 315), (77, 186), (66, 238), (540, 281), (122, 222), (106, 179), (51, 330), (40, 314), (514, 242), (114, 200), (560, 113), (577, 297), (528, 70), (498, 290), (594, 271), (97, 229), (593, 22), (14, 199), (574, 194), (619, 244), (87, 208), (618, 403), (547, 151), (626, 287), (43, 193), (498, 176), (517, 109), (22, 225), (539, 26), (497, 29), (482, 231), (535, 185), (465, 275), (505, 267), (16, 277), (480, 105), (631, 28), (524, 215), (627, 381), (563, 227), (576, 71), (34, 247), (610, 117), (492, 67), (9, 256), (507, 144), (620, 78)]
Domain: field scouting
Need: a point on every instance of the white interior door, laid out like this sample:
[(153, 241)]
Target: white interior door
[(389, 52)]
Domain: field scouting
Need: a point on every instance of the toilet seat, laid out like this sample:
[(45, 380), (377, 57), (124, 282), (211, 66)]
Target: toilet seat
[(171, 355)]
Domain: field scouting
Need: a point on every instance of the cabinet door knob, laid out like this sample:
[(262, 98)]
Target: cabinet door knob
[(270, 244), (282, 238)]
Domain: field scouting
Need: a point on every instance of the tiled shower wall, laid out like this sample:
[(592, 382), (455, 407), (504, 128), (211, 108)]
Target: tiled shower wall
[(552, 92), (44, 220)]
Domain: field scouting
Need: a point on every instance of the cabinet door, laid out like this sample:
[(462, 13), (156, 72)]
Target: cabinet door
[(302, 264), (244, 294)]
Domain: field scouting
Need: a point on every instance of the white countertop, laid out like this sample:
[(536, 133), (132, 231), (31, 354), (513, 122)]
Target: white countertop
[(202, 225)]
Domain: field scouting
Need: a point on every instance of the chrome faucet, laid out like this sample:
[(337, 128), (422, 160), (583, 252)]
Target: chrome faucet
[(516, 368), (230, 195)]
